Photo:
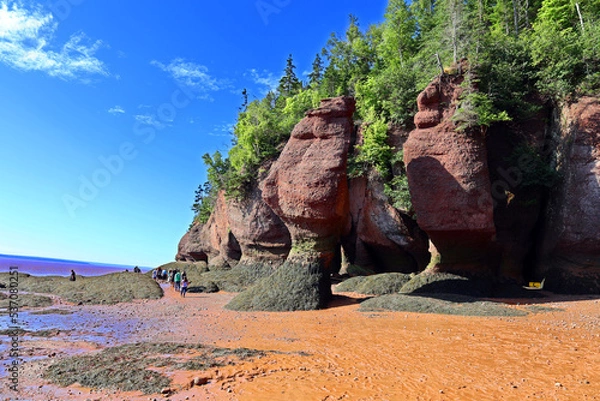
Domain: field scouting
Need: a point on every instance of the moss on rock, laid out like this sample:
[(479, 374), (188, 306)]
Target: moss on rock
[(26, 300), (445, 305), (107, 289), (235, 280), (446, 283), (379, 284), (296, 285)]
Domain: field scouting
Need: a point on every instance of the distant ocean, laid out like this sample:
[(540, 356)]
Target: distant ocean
[(58, 267)]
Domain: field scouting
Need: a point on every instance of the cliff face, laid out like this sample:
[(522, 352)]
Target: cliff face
[(518, 203), (238, 232), (570, 255), (381, 238)]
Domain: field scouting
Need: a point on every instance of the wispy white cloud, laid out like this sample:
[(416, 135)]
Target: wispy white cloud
[(116, 110), (225, 129), (151, 120), (264, 78), (194, 76), (25, 44)]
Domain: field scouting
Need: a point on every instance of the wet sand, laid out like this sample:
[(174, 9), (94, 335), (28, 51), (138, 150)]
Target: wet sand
[(339, 353)]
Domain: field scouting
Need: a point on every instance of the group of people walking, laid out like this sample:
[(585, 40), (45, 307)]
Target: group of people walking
[(178, 280)]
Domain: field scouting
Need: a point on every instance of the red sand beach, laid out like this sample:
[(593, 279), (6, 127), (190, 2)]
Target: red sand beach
[(341, 353)]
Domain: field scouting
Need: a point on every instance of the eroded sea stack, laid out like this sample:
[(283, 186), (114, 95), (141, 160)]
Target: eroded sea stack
[(449, 182), (307, 187)]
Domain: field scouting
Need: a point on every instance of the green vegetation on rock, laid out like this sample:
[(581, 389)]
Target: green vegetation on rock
[(378, 284), (293, 286), (234, 280), (26, 300), (130, 367), (107, 289), (443, 305), (446, 283)]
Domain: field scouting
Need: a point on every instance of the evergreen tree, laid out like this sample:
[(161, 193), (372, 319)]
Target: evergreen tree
[(560, 13), (289, 84), (398, 34), (350, 59), (316, 75)]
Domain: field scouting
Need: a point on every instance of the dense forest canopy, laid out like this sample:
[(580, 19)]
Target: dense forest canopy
[(515, 50)]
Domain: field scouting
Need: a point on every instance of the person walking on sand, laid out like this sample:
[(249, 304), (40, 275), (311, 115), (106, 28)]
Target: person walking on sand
[(177, 280), (184, 287), (155, 274), (73, 276)]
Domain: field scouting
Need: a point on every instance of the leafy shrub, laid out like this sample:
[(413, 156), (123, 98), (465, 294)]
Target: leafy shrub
[(476, 110), (391, 94), (374, 151), (398, 194)]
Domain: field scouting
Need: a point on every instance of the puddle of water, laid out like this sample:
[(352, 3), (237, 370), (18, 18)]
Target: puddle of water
[(80, 326)]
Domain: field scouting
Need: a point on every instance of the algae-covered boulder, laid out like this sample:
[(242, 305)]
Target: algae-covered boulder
[(107, 289), (378, 284), (430, 282), (296, 285), (236, 279), (443, 305)]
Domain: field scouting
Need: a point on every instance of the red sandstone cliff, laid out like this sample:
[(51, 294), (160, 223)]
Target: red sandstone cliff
[(472, 198), (571, 250)]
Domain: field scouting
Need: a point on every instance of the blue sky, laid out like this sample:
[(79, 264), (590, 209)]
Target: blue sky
[(107, 107)]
